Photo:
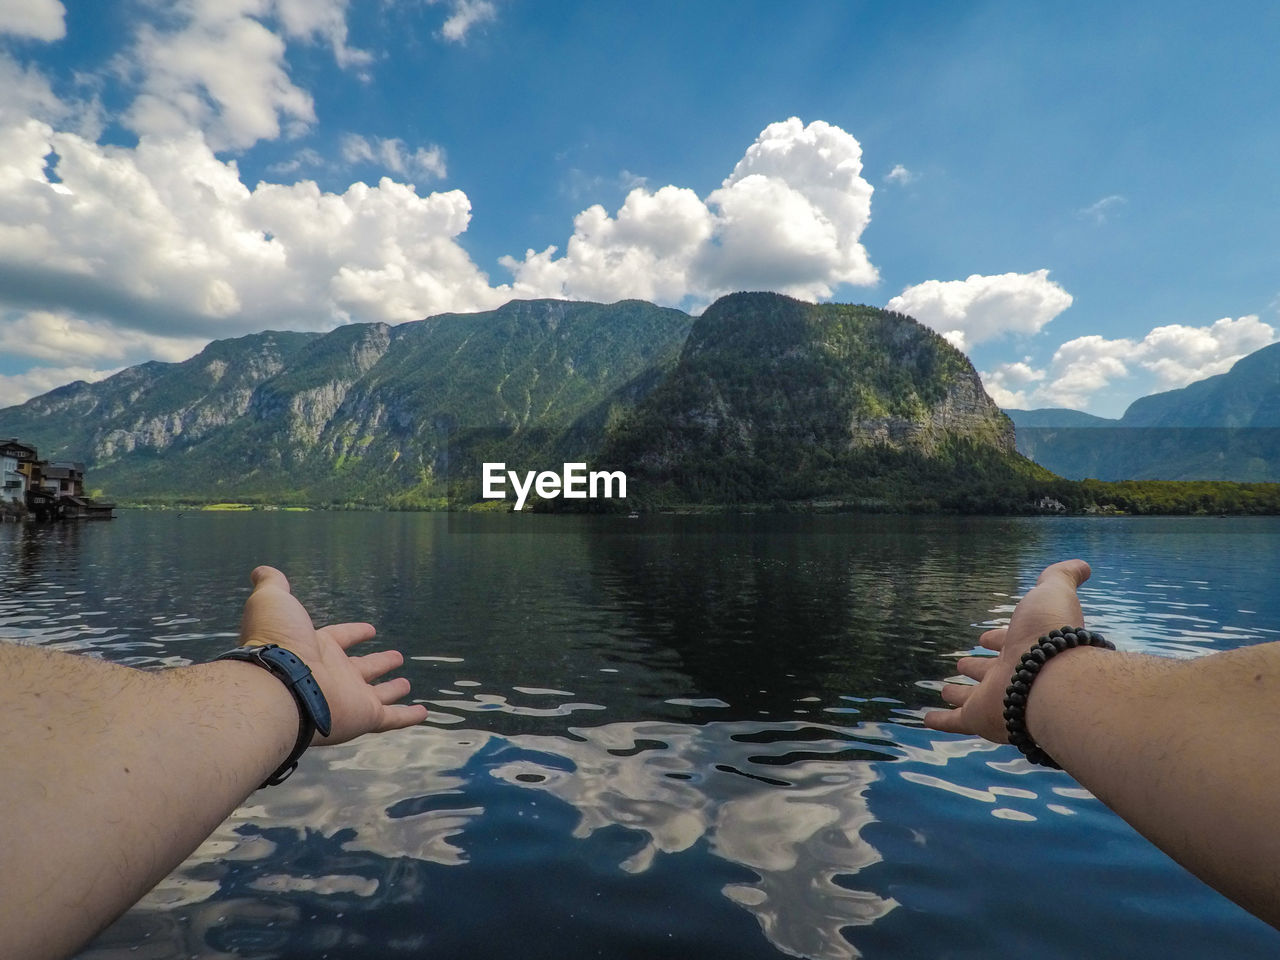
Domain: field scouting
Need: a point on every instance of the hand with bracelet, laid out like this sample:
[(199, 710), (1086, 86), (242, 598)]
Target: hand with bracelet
[(1185, 750), (112, 775)]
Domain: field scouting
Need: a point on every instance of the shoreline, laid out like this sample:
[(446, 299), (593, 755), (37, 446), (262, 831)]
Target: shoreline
[(802, 507)]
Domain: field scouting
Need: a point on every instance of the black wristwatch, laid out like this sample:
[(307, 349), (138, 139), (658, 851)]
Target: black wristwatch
[(313, 709)]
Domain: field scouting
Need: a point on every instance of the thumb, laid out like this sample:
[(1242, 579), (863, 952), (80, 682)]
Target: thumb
[(1073, 572), (265, 576), (272, 614), (1052, 602)]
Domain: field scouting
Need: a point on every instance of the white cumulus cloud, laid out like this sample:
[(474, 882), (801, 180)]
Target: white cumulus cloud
[(224, 73), (38, 19), (322, 20), (166, 239), (1179, 354), (1009, 384), (394, 155), (68, 348), (67, 339), (26, 93), (1079, 369), (306, 158), (220, 68), (979, 308), (788, 218), (1172, 356), (646, 252), (1100, 210), (19, 387), (463, 15), (899, 175)]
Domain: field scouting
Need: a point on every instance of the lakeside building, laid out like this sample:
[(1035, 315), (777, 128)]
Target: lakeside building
[(47, 490), (64, 478), (13, 457)]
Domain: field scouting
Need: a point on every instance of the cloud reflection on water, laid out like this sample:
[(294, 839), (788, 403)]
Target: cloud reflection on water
[(678, 783), (795, 820)]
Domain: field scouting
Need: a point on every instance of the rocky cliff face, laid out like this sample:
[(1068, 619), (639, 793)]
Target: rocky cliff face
[(219, 395), (153, 406), (302, 401), (964, 411)]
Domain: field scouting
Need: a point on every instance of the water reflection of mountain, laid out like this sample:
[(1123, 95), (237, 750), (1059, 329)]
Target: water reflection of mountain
[(776, 609), (759, 612)]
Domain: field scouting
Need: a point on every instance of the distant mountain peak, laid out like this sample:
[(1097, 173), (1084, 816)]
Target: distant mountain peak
[(1057, 417), (1224, 427)]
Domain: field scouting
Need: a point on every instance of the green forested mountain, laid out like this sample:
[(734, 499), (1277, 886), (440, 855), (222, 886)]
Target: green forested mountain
[(1225, 427), (775, 399), (366, 413)]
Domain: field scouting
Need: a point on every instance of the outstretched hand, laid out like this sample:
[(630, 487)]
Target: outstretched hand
[(358, 705), (1050, 604)]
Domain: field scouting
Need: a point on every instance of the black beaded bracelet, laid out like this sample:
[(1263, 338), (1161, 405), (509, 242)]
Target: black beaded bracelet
[(1015, 695)]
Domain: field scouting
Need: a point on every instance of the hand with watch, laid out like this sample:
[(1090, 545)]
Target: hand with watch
[(337, 696)]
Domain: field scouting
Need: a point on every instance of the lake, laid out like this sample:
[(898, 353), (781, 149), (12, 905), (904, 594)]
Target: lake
[(691, 737)]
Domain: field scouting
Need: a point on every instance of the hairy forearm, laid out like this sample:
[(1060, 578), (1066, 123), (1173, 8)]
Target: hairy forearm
[(97, 758), (1184, 750)]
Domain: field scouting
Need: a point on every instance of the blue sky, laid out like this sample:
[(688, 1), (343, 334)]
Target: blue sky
[(1082, 197)]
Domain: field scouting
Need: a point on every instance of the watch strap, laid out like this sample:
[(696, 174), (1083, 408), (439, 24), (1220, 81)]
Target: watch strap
[(313, 708)]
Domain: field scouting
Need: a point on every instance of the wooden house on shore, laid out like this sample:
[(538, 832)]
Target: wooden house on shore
[(45, 490)]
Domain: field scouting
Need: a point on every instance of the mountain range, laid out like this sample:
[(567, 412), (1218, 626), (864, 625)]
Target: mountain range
[(761, 398), (365, 413), (1225, 427)]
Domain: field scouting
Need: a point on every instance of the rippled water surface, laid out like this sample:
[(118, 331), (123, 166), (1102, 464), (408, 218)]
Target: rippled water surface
[(666, 737)]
